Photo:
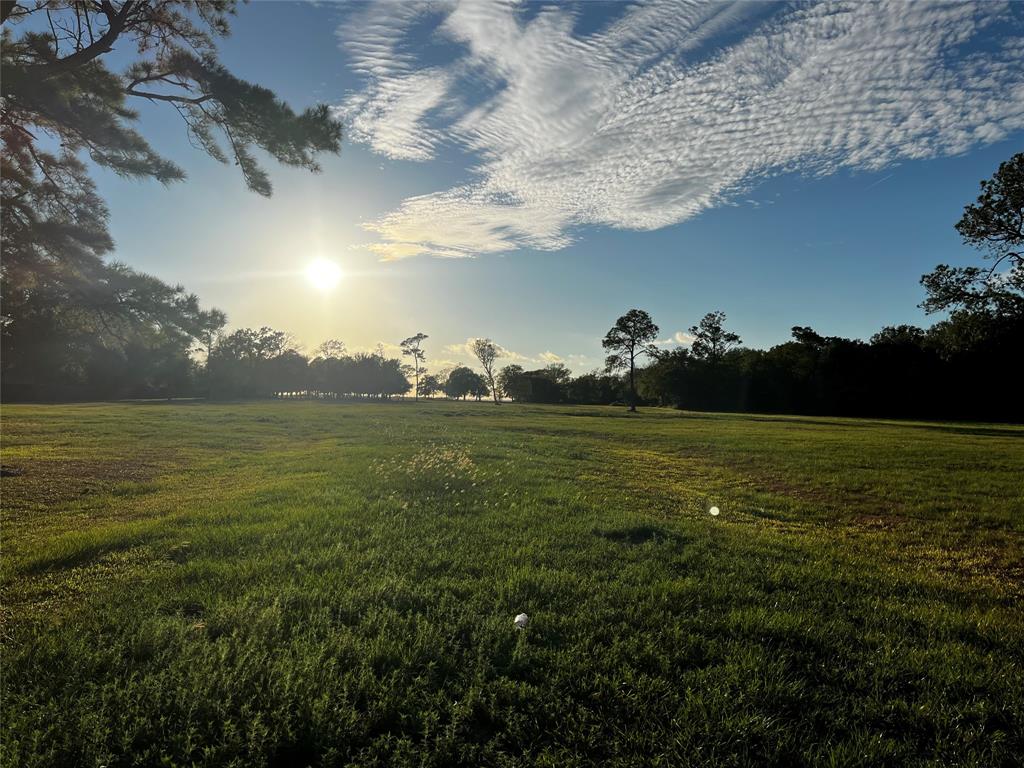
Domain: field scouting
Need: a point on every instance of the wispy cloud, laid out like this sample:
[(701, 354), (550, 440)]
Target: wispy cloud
[(465, 350), (666, 111)]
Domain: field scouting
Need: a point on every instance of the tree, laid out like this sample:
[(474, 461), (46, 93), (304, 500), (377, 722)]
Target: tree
[(60, 103), (630, 337), (665, 380), (430, 385), (510, 381), (121, 334), (332, 349), (559, 373), (411, 348), (995, 225), (595, 388), (240, 364), (479, 388), (711, 340), (487, 352), (545, 385), (461, 381)]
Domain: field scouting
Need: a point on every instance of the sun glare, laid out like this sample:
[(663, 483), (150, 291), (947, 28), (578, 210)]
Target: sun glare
[(324, 275)]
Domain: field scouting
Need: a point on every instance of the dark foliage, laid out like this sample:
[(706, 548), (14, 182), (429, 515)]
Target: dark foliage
[(114, 333), (956, 369), (463, 382), (555, 384)]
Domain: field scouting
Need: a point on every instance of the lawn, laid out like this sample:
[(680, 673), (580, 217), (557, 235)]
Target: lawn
[(303, 583)]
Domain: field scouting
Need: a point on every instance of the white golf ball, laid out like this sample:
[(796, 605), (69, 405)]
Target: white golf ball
[(713, 511)]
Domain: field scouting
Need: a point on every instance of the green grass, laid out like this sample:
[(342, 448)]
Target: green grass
[(314, 584)]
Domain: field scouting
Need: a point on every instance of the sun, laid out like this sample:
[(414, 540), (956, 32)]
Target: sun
[(324, 275)]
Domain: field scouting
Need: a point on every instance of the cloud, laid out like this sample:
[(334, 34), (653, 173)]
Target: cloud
[(550, 357), (390, 114), (679, 337), (665, 111), (465, 349)]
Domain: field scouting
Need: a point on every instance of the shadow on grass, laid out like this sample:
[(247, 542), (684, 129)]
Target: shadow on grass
[(639, 534), (863, 422)]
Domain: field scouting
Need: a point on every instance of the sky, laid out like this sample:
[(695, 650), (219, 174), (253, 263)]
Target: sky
[(530, 171)]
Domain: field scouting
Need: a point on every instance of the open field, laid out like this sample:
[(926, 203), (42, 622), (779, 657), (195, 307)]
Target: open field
[(307, 583)]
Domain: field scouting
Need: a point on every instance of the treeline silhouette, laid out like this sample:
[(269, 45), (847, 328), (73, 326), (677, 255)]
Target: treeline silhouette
[(903, 371), (959, 368), (129, 335)]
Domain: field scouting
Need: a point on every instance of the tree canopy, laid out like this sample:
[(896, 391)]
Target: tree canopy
[(995, 225), (710, 339)]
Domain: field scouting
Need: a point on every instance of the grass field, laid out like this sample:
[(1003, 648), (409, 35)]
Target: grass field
[(313, 584)]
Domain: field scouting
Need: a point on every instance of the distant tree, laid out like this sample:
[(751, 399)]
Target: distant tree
[(478, 388), (430, 385), (510, 381), (900, 335), (595, 388), (332, 349), (711, 340), (557, 372), (665, 380), (994, 224), (461, 382), (630, 337), (411, 348), (288, 373), (487, 352), (804, 334), (393, 379), (544, 385)]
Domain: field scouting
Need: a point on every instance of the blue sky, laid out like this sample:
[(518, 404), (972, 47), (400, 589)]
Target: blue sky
[(530, 172)]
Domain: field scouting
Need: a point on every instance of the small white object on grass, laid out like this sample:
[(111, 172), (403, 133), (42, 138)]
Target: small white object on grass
[(713, 511), (521, 621)]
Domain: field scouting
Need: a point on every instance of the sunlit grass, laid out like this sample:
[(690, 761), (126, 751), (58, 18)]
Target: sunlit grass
[(303, 583)]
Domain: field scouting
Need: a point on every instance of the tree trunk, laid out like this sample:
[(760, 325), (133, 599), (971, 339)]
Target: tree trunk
[(632, 387)]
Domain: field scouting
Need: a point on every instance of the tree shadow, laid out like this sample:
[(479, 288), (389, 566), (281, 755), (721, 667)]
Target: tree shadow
[(639, 534)]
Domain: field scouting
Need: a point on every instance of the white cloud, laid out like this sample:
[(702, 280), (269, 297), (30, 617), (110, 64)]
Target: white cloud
[(465, 349), (390, 114), (673, 108), (550, 357), (678, 338)]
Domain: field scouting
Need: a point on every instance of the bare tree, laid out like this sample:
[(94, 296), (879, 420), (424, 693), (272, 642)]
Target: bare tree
[(487, 352), (411, 348), (332, 349)]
